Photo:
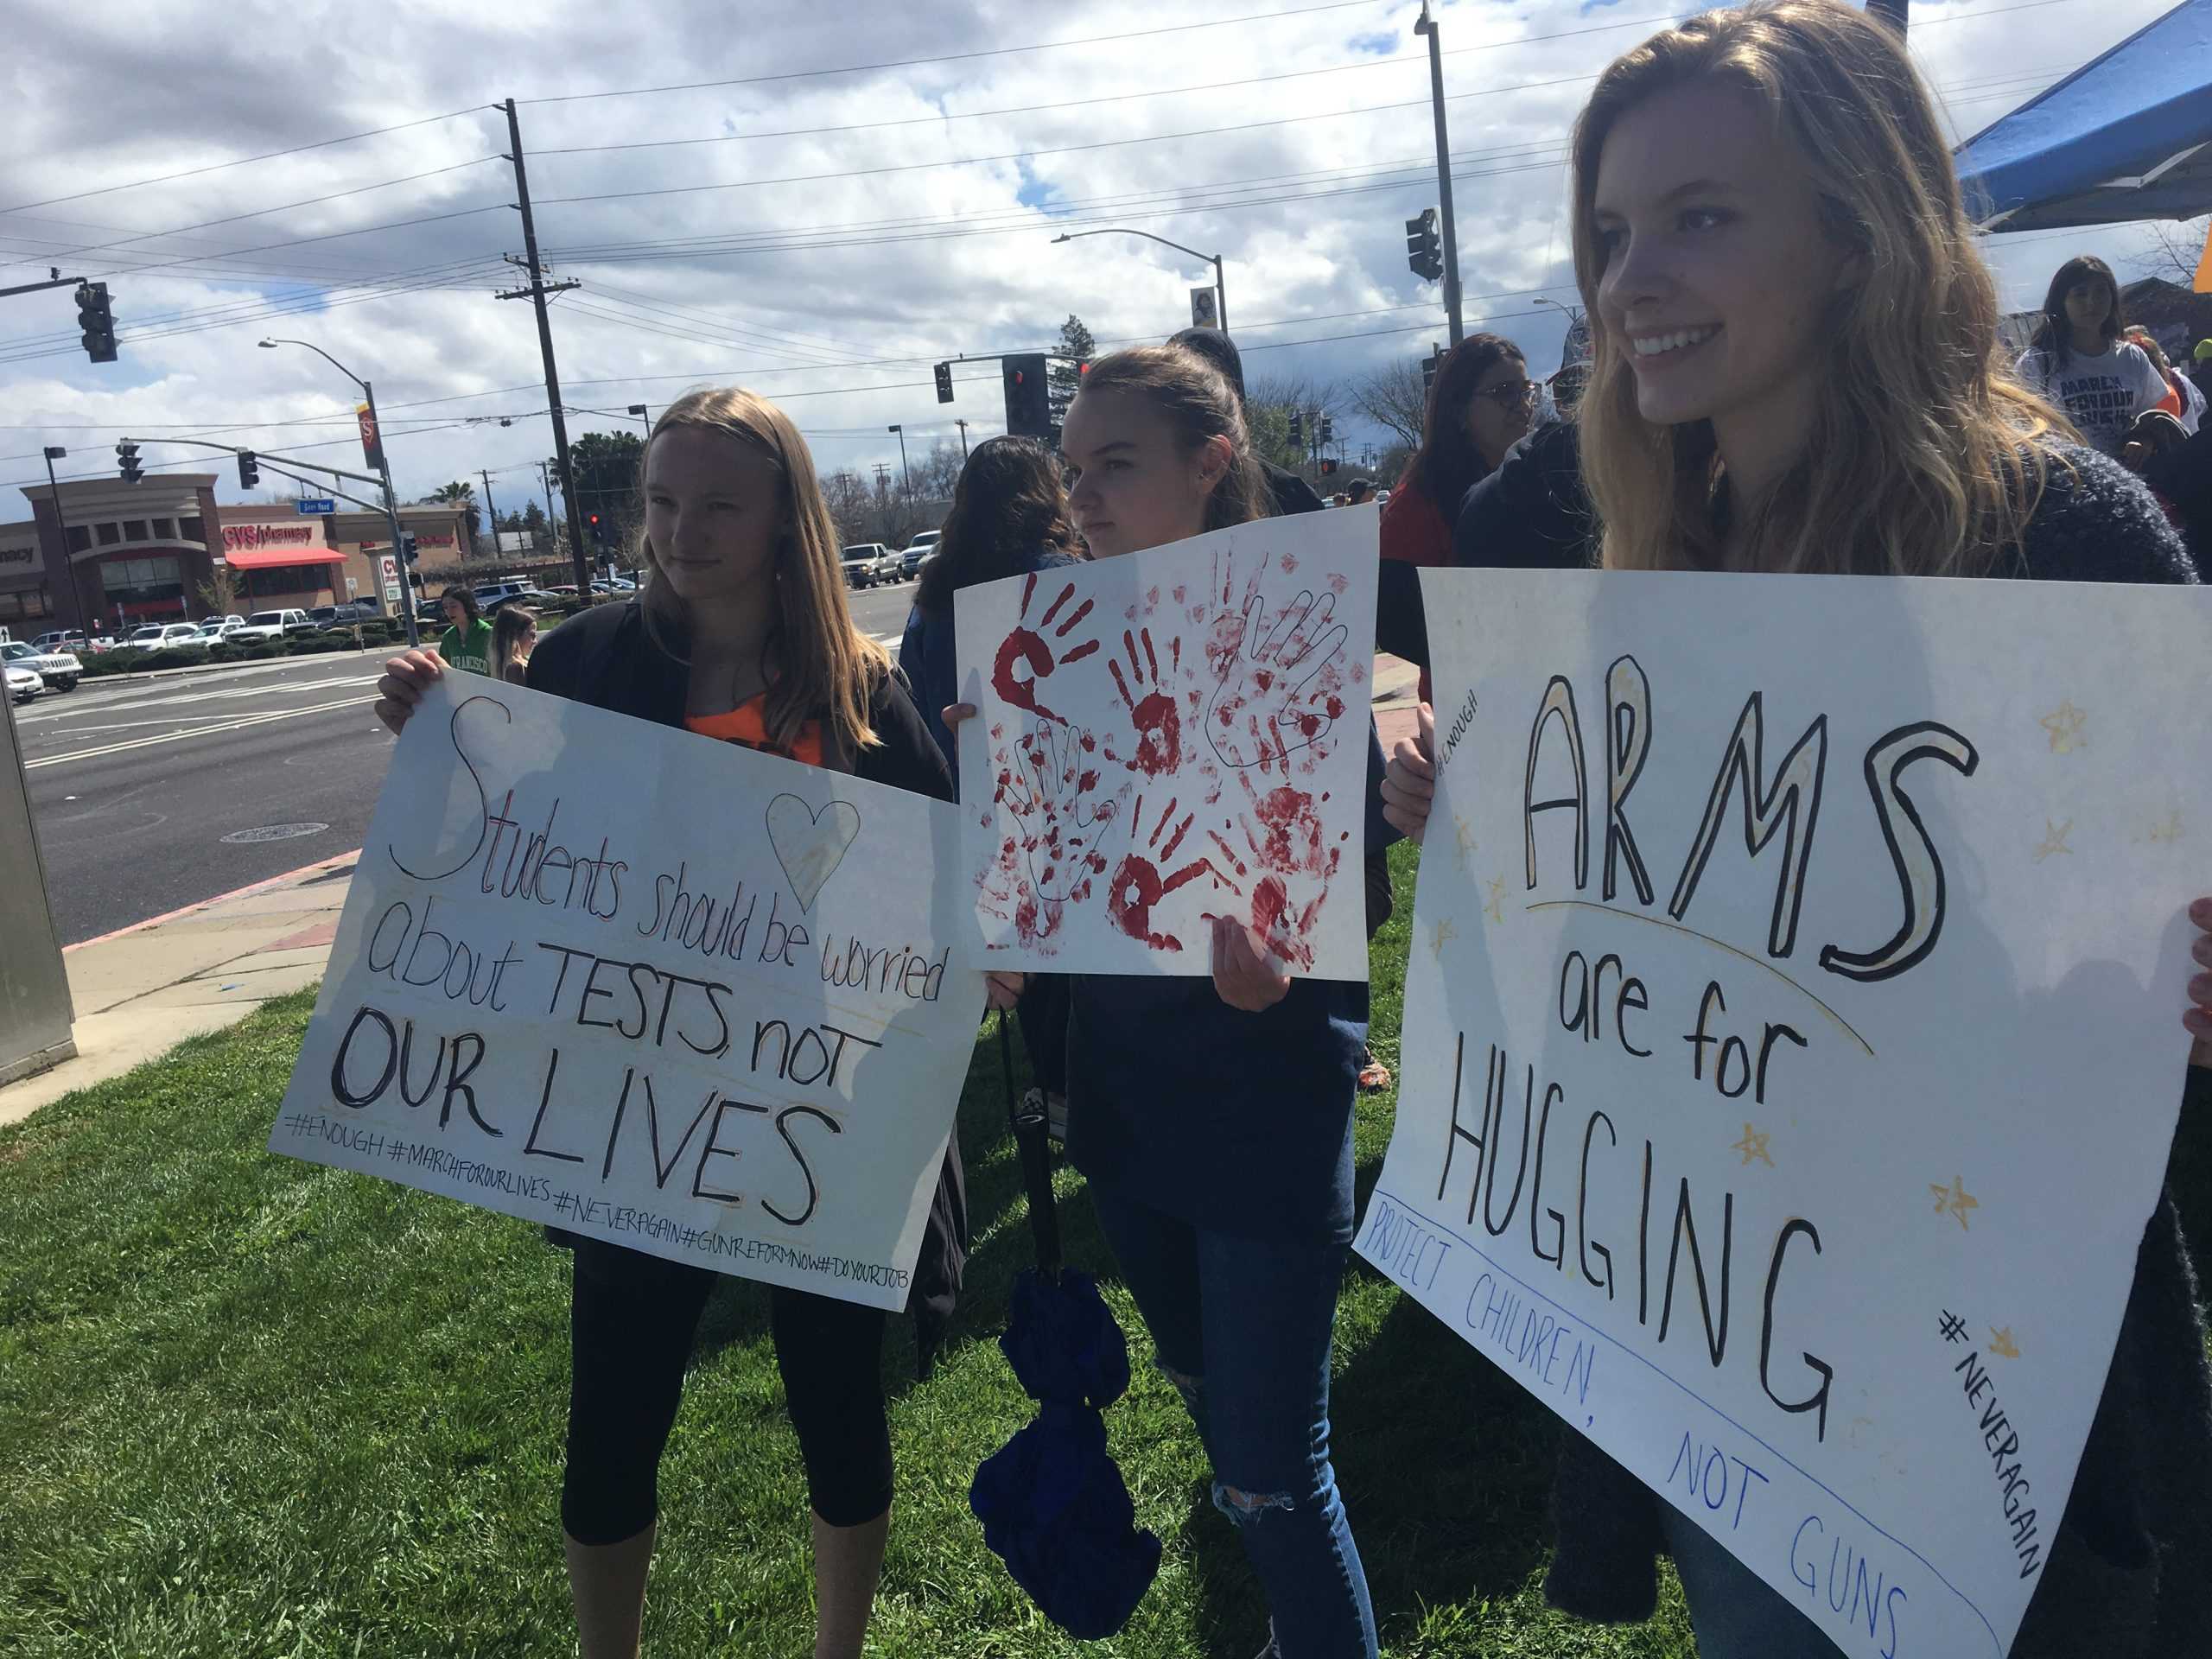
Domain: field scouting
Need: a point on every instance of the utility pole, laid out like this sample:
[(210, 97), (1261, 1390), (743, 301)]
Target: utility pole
[(962, 425), (538, 291), (490, 512), (1427, 26), (882, 482)]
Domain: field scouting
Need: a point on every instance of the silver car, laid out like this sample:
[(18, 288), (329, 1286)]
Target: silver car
[(58, 671)]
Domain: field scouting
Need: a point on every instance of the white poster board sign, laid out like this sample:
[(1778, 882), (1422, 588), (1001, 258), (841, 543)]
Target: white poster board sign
[(1792, 1046), (670, 992), (1170, 736)]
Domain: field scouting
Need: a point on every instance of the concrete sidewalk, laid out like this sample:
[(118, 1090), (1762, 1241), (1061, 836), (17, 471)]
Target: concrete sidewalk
[(140, 991)]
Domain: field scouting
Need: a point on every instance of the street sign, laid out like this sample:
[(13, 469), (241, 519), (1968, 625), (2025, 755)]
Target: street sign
[(322, 507), (352, 588), (1204, 309)]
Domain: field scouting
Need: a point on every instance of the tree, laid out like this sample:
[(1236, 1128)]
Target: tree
[(1394, 399), (2173, 251), (1061, 380), (534, 525), (606, 466), (221, 591), (938, 474), (849, 506), (458, 495)]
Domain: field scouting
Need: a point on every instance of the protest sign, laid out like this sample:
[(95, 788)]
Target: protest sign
[(1792, 1046), (1170, 736), (668, 992)]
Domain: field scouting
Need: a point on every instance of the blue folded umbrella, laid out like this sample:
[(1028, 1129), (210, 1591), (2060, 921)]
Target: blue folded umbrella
[(1062, 1341), (1054, 1507)]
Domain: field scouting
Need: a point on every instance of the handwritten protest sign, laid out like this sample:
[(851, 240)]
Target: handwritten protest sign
[(672, 993), (1169, 736), (1791, 1047)]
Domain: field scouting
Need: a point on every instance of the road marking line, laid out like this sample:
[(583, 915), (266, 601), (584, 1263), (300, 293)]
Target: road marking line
[(198, 731), (229, 694)]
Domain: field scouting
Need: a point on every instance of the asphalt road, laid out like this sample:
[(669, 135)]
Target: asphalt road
[(151, 795)]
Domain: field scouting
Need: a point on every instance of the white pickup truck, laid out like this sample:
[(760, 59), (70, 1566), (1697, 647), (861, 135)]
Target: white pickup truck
[(271, 624)]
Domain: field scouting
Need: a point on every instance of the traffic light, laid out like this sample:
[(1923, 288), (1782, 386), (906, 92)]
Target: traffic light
[(97, 321), (1028, 400), (249, 470), (1328, 429), (126, 457), (1425, 246), (1297, 429), (408, 549), (598, 530), (1328, 464), (945, 382), (1428, 368)]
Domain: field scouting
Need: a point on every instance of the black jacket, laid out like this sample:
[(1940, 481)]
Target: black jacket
[(605, 658), (2129, 1575)]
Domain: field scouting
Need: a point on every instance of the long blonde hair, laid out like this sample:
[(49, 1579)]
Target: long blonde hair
[(1925, 457), (826, 669)]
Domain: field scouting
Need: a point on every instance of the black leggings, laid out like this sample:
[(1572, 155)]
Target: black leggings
[(633, 1317)]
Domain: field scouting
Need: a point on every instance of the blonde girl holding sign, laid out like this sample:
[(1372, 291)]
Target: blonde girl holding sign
[(742, 634), (1796, 370)]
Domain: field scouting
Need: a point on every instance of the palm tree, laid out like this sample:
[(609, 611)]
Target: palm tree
[(458, 495)]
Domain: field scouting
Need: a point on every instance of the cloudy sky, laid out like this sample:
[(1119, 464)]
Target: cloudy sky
[(818, 200)]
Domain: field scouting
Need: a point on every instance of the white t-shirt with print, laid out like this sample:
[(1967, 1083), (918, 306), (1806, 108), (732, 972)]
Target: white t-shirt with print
[(2102, 394)]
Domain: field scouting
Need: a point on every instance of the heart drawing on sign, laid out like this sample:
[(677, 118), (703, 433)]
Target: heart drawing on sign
[(809, 845)]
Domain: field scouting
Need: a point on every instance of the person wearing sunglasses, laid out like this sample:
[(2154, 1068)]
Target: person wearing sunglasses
[(1482, 403)]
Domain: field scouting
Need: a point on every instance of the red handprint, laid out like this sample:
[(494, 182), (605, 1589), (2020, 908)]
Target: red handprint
[(1027, 646), (1138, 886), (1050, 785), (1280, 682), (1295, 862), (1157, 722)]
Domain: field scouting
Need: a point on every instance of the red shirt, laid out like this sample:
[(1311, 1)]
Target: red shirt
[(1414, 531)]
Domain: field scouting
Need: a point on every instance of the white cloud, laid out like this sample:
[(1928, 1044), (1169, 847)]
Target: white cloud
[(1305, 198)]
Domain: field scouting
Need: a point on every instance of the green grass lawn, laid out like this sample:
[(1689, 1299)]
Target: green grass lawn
[(250, 1408)]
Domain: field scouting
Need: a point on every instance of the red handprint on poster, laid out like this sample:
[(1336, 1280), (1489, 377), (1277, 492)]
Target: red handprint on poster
[(1254, 636), (1025, 647)]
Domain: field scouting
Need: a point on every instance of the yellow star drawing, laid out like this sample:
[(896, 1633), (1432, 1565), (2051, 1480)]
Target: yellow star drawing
[(1495, 906), (2001, 1343), (1954, 1199), (2054, 839), (1466, 840), (2169, 830), (2064, 724), (1444, 931), (1753, 1145)]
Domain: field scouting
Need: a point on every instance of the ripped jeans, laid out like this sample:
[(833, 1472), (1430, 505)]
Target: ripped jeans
[(1242, 1328)]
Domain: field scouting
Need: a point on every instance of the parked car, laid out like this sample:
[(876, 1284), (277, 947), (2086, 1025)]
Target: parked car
[(863, 563), (338, 619), (910, 560), (23, 683), (63, 639), (58, 669), (166, 636), (214, 629), (492, 595), (272, 625)]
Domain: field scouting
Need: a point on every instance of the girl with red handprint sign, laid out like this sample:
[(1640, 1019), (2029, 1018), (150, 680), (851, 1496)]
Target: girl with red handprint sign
[(1222, 1175)]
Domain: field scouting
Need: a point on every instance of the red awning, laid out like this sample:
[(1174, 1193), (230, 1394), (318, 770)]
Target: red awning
[(267, 558)]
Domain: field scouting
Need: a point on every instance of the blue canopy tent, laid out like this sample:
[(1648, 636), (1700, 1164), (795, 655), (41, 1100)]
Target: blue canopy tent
[(2127, 136)]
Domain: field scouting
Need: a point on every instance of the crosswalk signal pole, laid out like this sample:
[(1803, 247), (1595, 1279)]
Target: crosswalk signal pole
[(1427, 26)]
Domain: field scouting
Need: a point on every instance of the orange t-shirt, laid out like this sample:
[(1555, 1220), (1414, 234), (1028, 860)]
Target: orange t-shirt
[(748, 723)]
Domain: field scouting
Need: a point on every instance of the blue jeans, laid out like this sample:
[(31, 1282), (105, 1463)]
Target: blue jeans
[(1735, 1613), (1243, 1329)]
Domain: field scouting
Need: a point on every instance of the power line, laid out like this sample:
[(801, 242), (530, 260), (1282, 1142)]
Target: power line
[(243, 160), (949, 57)]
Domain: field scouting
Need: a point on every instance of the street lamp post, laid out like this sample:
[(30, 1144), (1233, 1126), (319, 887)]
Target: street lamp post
[(384, 470), (55, 452), (643, 414), (902, 472), (962, 425), (1220, 286), (1426, 25)]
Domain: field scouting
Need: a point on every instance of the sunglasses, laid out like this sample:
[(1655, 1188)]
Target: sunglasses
[(1512, 394)]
